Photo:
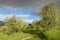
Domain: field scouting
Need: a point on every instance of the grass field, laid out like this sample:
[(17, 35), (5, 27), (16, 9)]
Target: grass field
[(17, 36)]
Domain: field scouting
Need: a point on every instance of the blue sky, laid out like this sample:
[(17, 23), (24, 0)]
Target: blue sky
[(27, 14), (26, 10)]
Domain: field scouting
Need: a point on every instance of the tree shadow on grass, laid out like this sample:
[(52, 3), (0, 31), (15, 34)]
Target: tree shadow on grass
[(36, 33)]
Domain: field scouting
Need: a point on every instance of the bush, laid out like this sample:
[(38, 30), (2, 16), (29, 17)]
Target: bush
[(13, 24)]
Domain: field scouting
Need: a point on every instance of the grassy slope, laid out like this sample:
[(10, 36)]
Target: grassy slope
[(16, 36), (53, 34)]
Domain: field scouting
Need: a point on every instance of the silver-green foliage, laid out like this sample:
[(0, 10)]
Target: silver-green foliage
[(13, 24)]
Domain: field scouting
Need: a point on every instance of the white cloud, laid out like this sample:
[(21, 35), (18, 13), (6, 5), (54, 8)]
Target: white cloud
[(22, 16), (29, 21), (2, 17), (9, 7)]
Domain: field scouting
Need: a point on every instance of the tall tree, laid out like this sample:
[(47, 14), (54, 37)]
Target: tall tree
[(49, 16)]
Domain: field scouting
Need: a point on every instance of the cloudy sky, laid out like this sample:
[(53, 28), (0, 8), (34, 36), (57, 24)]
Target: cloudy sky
[(25, 9)]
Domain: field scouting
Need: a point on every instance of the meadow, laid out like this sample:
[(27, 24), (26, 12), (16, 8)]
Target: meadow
[(47, 28)]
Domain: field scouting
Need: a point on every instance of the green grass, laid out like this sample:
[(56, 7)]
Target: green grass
[(53, 34), (34, 38), (17, 36)]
